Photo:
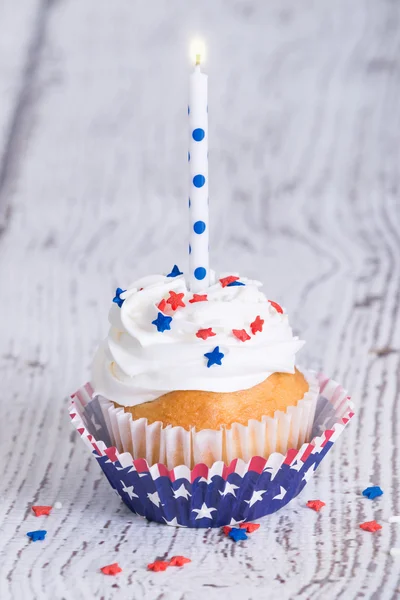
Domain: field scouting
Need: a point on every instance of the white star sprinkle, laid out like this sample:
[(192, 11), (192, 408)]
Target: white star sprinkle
[(181, 492), (229, 489), (204, 512), (257, 495)]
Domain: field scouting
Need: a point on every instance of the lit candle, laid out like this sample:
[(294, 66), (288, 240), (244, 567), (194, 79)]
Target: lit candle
[(198, 174)]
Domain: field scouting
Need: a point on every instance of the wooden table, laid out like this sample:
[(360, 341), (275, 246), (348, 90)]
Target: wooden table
[(304, 174)]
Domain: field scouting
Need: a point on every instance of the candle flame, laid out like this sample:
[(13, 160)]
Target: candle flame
[(197, 51)]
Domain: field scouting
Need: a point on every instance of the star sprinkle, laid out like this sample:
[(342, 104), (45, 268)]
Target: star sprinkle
[(276, 306), (162, 305), (41, 510), (179, 561), (205, 333), (226, 529), (249, 527), (370, 526), (233, 283), (241, 334), (198, 298), (163, 323), (215, 357), (237, 535), (111, 569), (227, 280), (372, 492), (35, 536), (117, 298), (175, 300), (158, 565), (175, 272), (315, 505), (256, 325)]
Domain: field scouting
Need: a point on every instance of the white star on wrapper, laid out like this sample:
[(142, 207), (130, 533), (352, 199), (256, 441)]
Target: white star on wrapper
[(174, 522), (229, 489), (281, 495), (204, 512), (257, 495), (97, 426), (233, 522), (308, 474), (154, 498), (181, 492), (128, 490)]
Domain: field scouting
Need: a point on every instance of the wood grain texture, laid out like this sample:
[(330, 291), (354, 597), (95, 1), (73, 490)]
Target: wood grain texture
[(304, 126)]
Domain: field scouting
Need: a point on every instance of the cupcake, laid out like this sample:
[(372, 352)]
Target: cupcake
[(201, 377)]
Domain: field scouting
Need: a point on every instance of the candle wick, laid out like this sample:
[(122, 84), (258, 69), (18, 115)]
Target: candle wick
[(197, 59)]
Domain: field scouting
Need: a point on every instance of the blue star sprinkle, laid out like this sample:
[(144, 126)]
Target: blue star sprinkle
[(372, 492), (37, 535), (162, 322), (215, 357), (237, 535), (233, 283), (175, 272), (117, 298)]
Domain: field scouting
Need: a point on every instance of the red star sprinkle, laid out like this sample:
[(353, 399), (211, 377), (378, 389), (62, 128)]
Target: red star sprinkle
[(175, 300), (162, 305), (227, 280), (241, 334), (315, 504), (198, 298), (249, 527), (276, 306), (111, 569), (41, 510), (205, 333), (256, 325), (179, 561), (370, 526), (158, 565), (226, 529)]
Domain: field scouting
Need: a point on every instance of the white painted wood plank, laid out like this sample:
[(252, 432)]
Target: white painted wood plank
[(304, 120)]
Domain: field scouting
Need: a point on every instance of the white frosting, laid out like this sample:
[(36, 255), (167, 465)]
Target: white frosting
[(137, 363)]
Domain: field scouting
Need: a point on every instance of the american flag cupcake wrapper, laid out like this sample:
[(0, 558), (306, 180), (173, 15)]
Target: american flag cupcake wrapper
[(217, 495)]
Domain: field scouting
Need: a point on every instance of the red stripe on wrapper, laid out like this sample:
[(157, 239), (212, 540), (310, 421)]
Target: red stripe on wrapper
[(111, 453), (307, 452), (228, 469), (257, 464), (327, 434), (290, 456), (200, 470)]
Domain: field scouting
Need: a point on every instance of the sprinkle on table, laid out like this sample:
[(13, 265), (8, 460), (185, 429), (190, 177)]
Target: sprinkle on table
[(111, 569), (225, 281), (35, 536), (237, 535), (117, 298), (234, 283), (256, 325), (276, 306), (372, 492), (158, 565), (175, 272), (249, 527), (198, 298), (205, 333), (226, 529), (163, 323), (370, 526), (316, 505), (241, 334), (179, 561), (175, 300), (215, 357), (41, 510)]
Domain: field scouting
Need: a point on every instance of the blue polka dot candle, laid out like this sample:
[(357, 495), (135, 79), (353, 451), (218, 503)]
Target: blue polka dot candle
[(198, 178)]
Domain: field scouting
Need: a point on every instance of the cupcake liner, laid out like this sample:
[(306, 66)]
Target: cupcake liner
[(174, 446), (222, 494)]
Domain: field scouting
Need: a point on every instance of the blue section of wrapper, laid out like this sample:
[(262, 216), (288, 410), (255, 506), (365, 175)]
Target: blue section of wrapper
[(218, 495)]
